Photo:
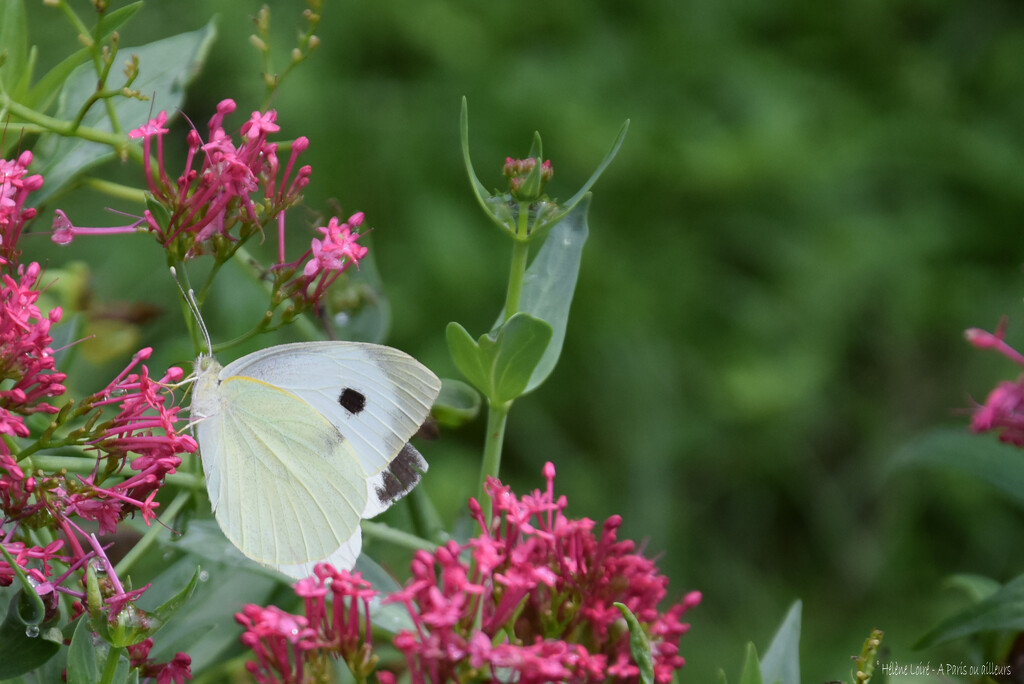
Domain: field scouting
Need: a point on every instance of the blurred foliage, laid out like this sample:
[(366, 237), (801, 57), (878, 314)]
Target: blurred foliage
[(813, 201)]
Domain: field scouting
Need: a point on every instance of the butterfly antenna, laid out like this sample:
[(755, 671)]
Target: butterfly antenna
[(190, 298)]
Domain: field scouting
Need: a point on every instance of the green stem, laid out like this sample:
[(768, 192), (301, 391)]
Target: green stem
[(397, 537), (497, 416), (308, 327), (110, 667), (125, 192), (516, 274), (147, 539), (64, 128)]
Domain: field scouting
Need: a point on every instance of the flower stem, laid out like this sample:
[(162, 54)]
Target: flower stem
[(516, 274), (110, 667), (497, 416)]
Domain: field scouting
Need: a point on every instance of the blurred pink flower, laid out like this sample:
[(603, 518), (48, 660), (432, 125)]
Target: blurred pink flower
[(1003, 410)]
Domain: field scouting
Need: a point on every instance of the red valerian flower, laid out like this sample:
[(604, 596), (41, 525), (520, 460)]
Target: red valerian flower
[(1003, 410), (531, 599), (15, 185), (541, 587)]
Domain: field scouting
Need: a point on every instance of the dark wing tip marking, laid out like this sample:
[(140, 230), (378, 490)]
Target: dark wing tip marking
[(352, 400), (400, 476)]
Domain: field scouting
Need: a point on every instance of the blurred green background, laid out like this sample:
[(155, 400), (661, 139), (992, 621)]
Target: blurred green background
[(813, 201)]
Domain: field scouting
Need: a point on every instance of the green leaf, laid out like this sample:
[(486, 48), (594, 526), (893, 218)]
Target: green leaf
[(13, 45), (42, 94), (24, 646), (501, 362), (479, 190), (976, 587), (456, 405), (550, 283), (575, 199), (205, 627), (390, 617), (160, 617), (751, 673), (978, 456), (84, 654), (1003, 610), (166, 66), (781, 662), (639, 645)]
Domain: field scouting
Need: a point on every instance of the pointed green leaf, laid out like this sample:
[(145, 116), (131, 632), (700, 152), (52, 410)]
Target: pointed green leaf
[(42, 94), (84, 654), (550, 283), (159, 617), (166, 66), (479, 189), (722, 679), (639, 645), (978, 456), (456, 405), (13, 45), (575, 199), (530, 189), (751, 673), (1003, 610), (781, 662)]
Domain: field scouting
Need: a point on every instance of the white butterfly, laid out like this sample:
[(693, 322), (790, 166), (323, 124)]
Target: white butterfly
[(300, 442)]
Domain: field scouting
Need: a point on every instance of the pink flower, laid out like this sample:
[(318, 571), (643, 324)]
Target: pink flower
[(64, 232), (227, 189), (328, 259), (26, 359), (1003, 410), (15, 185), (545, 585), (275, 637)]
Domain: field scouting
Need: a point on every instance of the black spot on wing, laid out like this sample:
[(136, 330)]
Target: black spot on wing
[(352, 400), (401, 475)]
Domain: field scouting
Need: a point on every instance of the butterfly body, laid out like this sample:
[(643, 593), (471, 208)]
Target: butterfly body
[(300, 442)]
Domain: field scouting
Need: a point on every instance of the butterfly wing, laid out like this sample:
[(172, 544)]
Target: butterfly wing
[(377, 398), (286, 486)]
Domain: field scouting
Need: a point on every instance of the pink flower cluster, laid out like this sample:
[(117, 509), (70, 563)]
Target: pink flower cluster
[(237, 190), (211, 200), (15, 185), (290, 649), (543, 588), (145, 426), (176, 671), (531, 599), (26, 359), (139, 436), (1003, 410)]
